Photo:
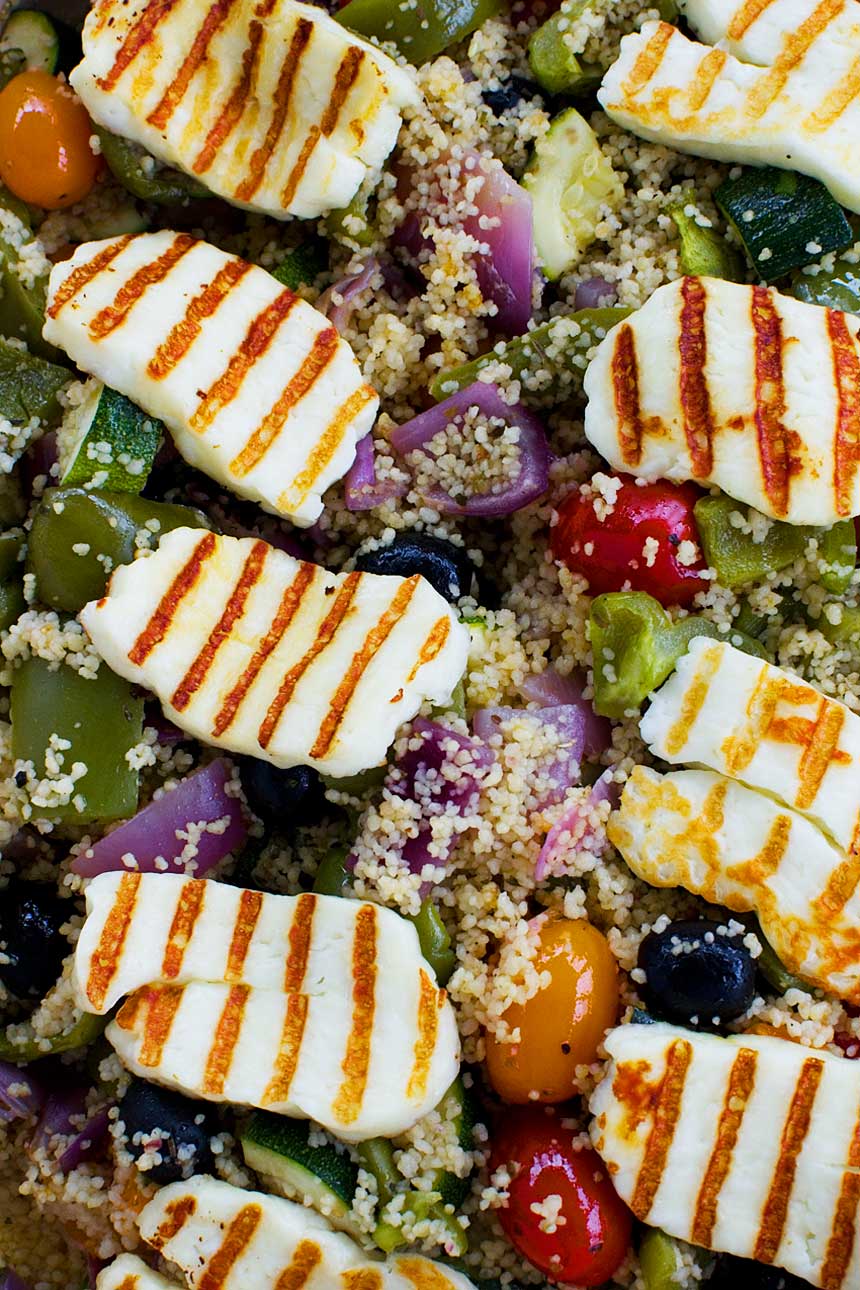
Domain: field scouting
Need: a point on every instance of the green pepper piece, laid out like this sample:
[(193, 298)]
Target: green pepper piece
[(332, 877), (101, 719), (661, 1259), (636, 645), (838, 288), (22, 308), (357, 785), (556, 68), (704, 253), (420, 30), (19, 209), (99, 524), (302, 266), (164, 187), (774, 971), (422, 1204), (837, 552), (84, 1032), (11, 545), (544, 358), (846, 631), (12, 603), (352, 224), (749, 622), (734, 555), (377, 1157), (435, 940), (29, 386)]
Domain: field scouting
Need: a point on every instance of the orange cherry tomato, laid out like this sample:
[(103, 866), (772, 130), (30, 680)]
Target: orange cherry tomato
[(562, 1025), (45, 155)]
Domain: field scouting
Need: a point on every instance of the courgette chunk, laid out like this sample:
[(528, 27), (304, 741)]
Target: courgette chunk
[(784, 220), (280, 1151), (836, 288), (106, 441), (36, 36)]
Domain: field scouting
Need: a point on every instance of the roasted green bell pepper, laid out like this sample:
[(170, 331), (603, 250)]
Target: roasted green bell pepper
[(22, 307), (29, 386), (435, 940), (101, 719), (636, 645), (377, 1158), (128, 162), (846, 631), (548, 349), (79, 536), (420, 30), (556, 68), (352, 225), (84, 1032), (774, 971), (661, 1259), (704, 253), (837, 556), (12, 602), (332, 877)]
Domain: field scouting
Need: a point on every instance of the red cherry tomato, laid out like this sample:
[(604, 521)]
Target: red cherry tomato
[(611, 552), (581, 1230)]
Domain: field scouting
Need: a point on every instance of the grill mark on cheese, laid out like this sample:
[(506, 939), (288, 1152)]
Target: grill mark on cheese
[(741, 746), (749, 12), (177, 1213), (423, 1274), (300, 938), (176, 90), (693, 701), (160, 622), (770, 403), (707, 74), (835, 103), (625, 388), (793, 1137), (667, 1110), (345, 78), (287, 610), (846, 450), (259, 159), (227, 1033), (327, 444), (195, 677), (187, 912), (108, 953), (740, 1087), (323, 350), (134, 288), (699, 426), (795, 48), (325, 634), (236, 1240), (250, 905), (257, 340), (432, 647), (235, 107), (301, 164), (81, 276), (138, 37), (649, 60), (425, 1043), (356, 1063), (361, 1279), (841, 886), (162, 1005), (843, 1231), (306, 1257), (361, 660), (820, 749), (183, 335)]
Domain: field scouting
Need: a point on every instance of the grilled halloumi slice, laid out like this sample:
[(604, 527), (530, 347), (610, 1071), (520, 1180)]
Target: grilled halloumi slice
[(128, 1272), (741, 849), (753, 722), (737, 386), (271, 104), (224, 1237), (255, 385), (254, 651), (780, 88), (310, 1006), (750, 1145)]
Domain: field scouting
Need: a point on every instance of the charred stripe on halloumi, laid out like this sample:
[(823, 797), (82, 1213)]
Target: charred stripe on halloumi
[(310, 1006), (271, 104), (255, 385), (254, 651), (737, 386), (128, 1272), (749, 1145)]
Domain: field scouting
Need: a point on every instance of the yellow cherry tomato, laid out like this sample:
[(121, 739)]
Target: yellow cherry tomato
[(562, 1026), (45, 155)]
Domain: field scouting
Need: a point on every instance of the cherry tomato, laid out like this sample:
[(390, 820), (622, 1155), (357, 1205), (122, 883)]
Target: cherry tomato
[(45, 155), (611, 552), (562, 1025), (566, 1184)]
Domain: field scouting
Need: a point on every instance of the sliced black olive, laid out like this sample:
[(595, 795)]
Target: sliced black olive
[(445, 566), (697, 973), (31, 915), (160, 1122)]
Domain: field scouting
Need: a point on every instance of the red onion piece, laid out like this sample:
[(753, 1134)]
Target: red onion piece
[(506, 273), (348, 289), (10, 1280), (58, 1114), (94, 1267), (20, 1094), (574, 829), (168, 734), (155, 831), (38, 460), (562, 766), (87, 1142), (533, 479), (363, 491), (593, 293), (549, 689)]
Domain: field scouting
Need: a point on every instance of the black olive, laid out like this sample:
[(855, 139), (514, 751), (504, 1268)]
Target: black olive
[(697, 974), (732, 1273), (31, 915), (282, 798), (445, 566), (179, 1129), (510, 94)]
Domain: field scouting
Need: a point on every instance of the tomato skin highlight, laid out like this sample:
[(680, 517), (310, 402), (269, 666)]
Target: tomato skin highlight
[(610, 553), (562, 1025), (541, 1156), (45, 155)]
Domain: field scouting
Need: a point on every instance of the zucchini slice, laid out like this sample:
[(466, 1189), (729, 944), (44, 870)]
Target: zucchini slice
[(784, 220), (454, 1190), (279, 1150), (36, 36), (106, 441)]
